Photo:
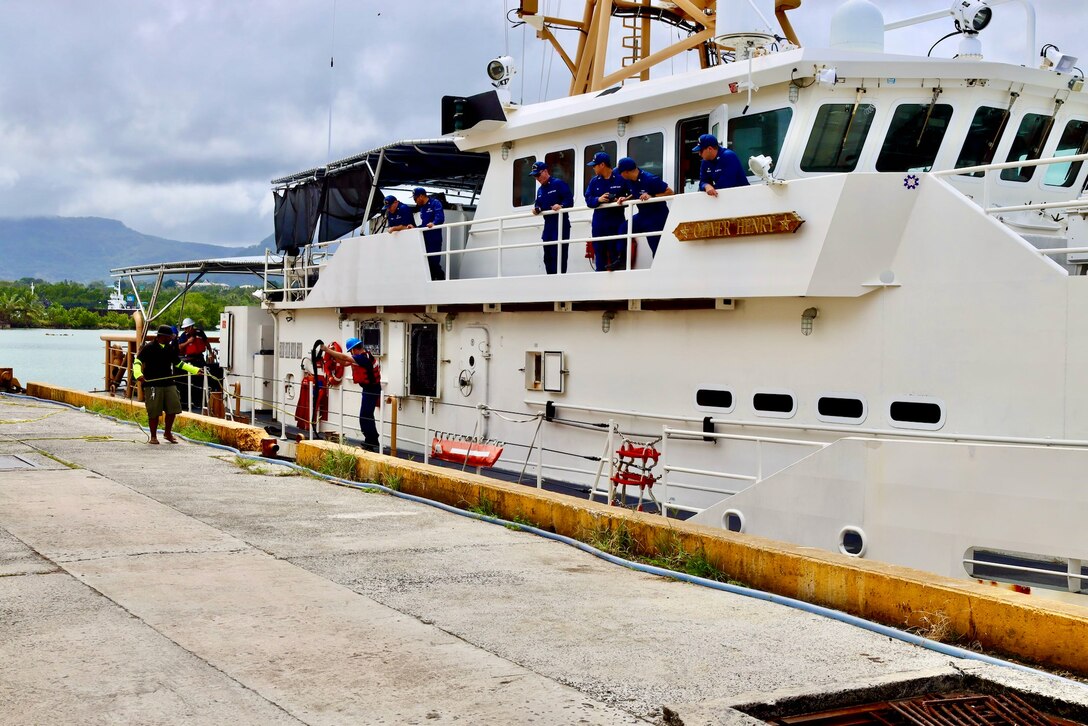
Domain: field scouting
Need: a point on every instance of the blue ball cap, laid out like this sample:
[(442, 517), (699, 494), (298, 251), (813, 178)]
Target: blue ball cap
[(389, 201), (600, 158), (417, 191), (706, 141), (626, 164), (537, 168), (352, 343)]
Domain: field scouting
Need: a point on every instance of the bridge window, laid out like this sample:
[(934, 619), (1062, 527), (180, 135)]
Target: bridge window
[(916, 413), (688, 132), (648, 151), (981, 142), (837, 137), (561, 165), (1027, 145), (524, 185), (914, 137), (1074, 141), (608, 147), (759, 134)]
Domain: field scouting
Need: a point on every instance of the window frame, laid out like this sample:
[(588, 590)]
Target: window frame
[(815, 127), (951, 110), (841, 419), (715, 409), (914, 425), (774, 392), (587, 156), (517, 179), (777, 156)]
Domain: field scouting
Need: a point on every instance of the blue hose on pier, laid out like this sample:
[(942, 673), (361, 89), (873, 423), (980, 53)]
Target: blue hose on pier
[(885, 630)]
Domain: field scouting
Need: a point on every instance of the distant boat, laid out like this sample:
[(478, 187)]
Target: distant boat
[(120, 303)]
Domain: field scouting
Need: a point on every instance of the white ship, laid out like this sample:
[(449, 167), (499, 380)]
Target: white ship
[(896, 378)]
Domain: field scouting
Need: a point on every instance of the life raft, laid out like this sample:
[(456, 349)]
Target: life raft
[(464, 450)]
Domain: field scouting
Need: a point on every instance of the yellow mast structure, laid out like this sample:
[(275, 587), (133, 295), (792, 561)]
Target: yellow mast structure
[(587, 67)]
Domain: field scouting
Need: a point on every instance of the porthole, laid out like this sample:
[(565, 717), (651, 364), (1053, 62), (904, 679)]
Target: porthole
[(841, 408), (852, 541), (775, 404), (733, 520), (916, 412), (717, 399)]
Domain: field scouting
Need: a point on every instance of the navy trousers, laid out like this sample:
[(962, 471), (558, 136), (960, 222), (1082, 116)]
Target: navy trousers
[(366, 418)]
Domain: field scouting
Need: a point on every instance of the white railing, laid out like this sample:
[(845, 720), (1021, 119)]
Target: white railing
[(697, 435), (984, 169)]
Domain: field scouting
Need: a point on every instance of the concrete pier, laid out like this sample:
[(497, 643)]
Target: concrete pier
[(170, 584)]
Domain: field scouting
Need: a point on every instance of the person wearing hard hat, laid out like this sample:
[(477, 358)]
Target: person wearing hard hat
[(155, 368), (720, 168), (192, 343), (367, 372)]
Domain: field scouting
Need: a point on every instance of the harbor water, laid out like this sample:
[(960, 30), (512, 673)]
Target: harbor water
[(69, 358)]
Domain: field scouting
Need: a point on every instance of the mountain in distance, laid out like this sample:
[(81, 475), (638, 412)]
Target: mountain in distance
[(84, 249)]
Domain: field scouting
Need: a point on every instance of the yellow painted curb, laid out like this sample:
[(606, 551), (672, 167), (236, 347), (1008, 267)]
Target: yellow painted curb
[(1027, 627), (241, 436)]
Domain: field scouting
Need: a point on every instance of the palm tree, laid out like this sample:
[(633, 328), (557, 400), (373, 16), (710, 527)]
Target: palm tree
[(19, 308)]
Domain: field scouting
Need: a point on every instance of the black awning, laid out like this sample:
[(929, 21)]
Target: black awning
[(336, 195)]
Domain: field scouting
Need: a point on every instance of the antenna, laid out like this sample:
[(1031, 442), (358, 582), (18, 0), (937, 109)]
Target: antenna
[(332, 78)]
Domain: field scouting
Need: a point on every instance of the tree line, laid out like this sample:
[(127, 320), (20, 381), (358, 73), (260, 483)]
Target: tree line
[(32, 303)]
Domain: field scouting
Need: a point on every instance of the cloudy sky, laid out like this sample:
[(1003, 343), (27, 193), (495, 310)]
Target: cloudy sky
[(173, 115)]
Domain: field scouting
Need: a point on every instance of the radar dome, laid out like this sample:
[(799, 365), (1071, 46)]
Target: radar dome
[(858, 25)]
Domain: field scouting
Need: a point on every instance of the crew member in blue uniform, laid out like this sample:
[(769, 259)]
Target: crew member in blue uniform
[(397, 216), (644, 185), (552, 195), (607, 188), (430, 214), (720, 169)]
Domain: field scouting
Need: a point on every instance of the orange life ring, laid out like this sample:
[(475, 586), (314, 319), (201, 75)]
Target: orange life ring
[(334, 369)]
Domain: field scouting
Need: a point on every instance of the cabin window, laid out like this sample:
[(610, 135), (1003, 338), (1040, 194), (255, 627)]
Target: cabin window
[(914, 137), (776, 404), (648, 151), (840, 409), (837, 137), (714, 399), (423, 359), (852, 541), (608, 147), (1026, 569), (688, 132), (524, 185), (1027, 145), (759, 134), (1074, 141), (916, 413), (981, 142), (561, 164)]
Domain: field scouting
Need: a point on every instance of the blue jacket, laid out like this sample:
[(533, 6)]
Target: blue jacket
[(723, 172), (431, 212), (402, 216), (556, 191), (653, 185), (607, 219)]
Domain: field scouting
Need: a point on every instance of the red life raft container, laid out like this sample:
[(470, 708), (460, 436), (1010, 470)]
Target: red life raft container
[(462, 450)]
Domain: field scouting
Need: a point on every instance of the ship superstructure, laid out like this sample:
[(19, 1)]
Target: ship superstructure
[(873, 348)]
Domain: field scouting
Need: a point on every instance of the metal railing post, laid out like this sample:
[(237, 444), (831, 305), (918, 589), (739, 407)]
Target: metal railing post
[(253, 395), (664, 471), (380, 410), (426, 429), (629, 215), (313, 411), (189, 393), (759, 460), (498, 252), (343, 433), (205, 397), (540, 456)]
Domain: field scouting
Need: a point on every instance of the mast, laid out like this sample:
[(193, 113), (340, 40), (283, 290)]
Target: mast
[(588, 65)]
